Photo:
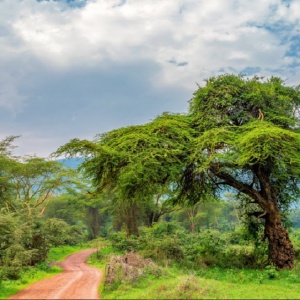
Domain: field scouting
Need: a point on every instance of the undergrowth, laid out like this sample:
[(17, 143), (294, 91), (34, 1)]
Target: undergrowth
[(205, 265), (210, 283)]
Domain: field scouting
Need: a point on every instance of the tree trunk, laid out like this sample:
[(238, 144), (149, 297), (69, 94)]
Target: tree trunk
[(152, 217), (281, 252), (93, 216), (131, 220), (117, 223), (191, 217)]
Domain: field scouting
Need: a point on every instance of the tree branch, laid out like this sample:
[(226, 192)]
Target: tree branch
[(238, 185)]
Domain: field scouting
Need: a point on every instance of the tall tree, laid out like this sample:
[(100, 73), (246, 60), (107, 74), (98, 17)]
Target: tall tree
[(248, 139)]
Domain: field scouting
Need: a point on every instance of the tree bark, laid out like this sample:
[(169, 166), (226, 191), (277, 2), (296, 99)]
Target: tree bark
[(131, 220), (94, 221), (281, 252), (191, 216)]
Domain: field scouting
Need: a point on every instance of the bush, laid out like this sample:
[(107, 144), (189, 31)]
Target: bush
[(244, 256), (204, 248), (163, 250), (129, 268), (163, 229), (13, 273), (167, 242), (123, 243), (271, 272), (27, 242), (163, 242)]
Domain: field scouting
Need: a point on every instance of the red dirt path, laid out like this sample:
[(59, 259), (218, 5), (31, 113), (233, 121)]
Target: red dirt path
[(78, 281)]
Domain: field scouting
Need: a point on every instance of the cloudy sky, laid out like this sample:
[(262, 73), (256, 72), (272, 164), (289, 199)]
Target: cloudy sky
[(75, 68)]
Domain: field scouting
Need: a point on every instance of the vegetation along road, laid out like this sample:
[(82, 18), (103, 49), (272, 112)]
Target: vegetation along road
[(78, 281)]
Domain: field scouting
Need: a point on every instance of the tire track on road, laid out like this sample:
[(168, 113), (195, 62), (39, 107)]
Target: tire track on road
[(78, 281)]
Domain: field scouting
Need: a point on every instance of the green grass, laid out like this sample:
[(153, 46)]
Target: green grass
[(30, 275), (60, 253), (194, 287), (211, 283), (101, 258)]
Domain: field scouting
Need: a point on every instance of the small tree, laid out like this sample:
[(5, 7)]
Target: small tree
[(34, 181)]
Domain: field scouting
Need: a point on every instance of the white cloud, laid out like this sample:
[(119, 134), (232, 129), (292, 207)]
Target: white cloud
[(171, 44), (10, 98), (156, 30)]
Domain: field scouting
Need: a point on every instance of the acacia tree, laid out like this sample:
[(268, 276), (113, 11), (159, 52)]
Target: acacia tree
[(248, 139), (34, 181), (136, 163)]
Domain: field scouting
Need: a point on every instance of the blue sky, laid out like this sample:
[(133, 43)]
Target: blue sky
[(75, 68)]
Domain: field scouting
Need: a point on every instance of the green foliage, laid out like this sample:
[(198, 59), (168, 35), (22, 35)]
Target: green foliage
[(136, 159), (28, 242), (215, 214), (136, 162), (246, 122), (236, 100), (5, 163), (162, 242), (247, 139), (121, 242), (163, 229), (168, 243), (66, 207), (34, 181), (271, 272), (27, 184)]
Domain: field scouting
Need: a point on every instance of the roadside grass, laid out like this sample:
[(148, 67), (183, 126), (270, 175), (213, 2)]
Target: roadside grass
[(213, 283), (101, 258), (194, 287), (58, 254), (41, 271)]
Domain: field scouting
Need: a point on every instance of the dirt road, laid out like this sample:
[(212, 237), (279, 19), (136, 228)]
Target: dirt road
[(78, 281)]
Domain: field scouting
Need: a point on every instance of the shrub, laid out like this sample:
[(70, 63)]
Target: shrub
[(123, 243), (271, 272), (129, 268), (27, 242)]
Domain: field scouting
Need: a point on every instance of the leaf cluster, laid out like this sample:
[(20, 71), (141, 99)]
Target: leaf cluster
[(236, 100), (137, 160)]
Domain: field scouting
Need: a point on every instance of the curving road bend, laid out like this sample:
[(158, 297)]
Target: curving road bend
[(78, 281)]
